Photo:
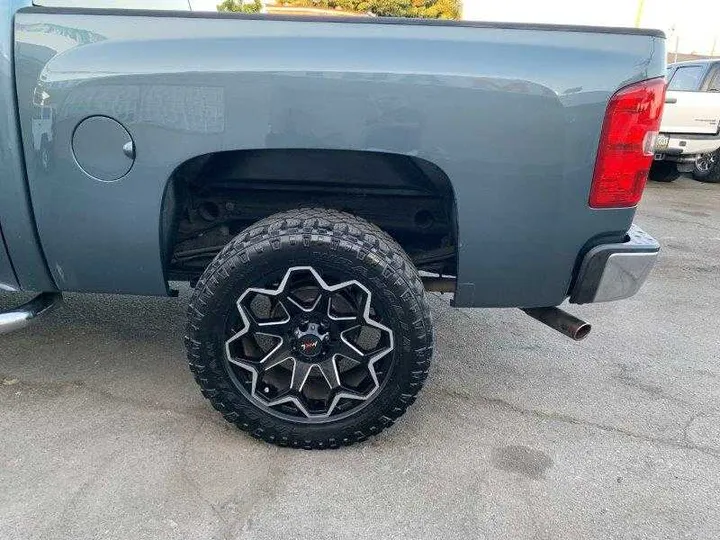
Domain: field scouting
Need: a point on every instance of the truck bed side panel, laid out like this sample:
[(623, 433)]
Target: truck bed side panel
[(511, 115)]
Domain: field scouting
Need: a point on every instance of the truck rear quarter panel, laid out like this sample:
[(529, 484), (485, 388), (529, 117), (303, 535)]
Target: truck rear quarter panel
[(16, 217), (511, 115)]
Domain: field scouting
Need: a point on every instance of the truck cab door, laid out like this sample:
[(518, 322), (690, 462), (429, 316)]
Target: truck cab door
[(689, 109)]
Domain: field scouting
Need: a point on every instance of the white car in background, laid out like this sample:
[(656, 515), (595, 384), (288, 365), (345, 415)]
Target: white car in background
[(689, 136)]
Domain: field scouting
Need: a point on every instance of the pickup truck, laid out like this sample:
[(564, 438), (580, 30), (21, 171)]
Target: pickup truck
[(690, 129), (312, 179)]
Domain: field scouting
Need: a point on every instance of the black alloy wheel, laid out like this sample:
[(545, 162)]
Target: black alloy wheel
[(306, 350), (310, 329)]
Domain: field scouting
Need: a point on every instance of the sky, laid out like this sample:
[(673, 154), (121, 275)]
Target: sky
[(695, 22), (204, 5), (690, 24)]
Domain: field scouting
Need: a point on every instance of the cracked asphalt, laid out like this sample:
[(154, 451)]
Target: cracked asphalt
[(519, 432)]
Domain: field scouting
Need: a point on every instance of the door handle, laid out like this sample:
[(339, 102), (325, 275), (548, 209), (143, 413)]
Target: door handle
[(671, 100)]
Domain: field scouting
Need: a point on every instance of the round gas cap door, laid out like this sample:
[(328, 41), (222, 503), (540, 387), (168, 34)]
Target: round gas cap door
[(103, 148)]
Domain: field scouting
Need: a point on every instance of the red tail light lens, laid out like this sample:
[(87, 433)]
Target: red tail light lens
[(632, 121)]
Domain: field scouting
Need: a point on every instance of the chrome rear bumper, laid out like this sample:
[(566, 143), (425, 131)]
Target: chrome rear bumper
[(615, 271)]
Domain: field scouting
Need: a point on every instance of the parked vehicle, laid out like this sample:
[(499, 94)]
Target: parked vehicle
[(690, 129), (313, 178)]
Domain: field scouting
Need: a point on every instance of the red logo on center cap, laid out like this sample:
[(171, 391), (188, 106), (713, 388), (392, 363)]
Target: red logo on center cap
[(308, 345)]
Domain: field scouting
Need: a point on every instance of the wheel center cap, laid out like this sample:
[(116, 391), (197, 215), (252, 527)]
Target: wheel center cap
[(309, 340), (309, 346)]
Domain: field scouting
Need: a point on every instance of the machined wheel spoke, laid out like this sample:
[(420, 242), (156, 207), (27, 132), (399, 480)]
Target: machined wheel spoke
[(295, 307), (328, 368), (252, 320), (372, 353), (277, 356), (345, 319), (300, 375), (350, 394), (351, 352), (251, 325), (346, 324), (238, 341), (240, 362)]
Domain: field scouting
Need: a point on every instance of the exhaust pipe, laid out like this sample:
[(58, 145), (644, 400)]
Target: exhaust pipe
[(439, 284), (21, 316), (561, 321), (554, 317)]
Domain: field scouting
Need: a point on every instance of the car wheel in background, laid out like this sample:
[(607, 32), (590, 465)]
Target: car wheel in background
[(707, 168), (310, 329)]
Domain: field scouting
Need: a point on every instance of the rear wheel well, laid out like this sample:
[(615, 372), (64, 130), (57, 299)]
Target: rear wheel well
[(211, 198)]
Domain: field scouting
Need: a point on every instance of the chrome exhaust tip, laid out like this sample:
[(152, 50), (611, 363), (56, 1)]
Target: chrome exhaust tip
[(561, 321), (23, 315)]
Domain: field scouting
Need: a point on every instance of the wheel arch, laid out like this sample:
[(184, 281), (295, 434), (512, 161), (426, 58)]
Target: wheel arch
[(378, 186)]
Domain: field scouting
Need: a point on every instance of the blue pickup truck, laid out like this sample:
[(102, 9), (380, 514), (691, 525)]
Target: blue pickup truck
[(312, 179)]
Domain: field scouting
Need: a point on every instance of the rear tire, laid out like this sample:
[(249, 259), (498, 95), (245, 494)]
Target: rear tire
[(280, 392), (663, 171), (707, 168)]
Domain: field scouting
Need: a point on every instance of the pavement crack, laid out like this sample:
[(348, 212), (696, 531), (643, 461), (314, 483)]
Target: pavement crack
[(77, 496), (235, 520), (683, 444), (627, 376), (195, 489), (48, 387), (268, 492)]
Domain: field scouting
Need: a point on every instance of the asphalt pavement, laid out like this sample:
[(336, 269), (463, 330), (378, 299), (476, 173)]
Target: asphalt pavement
[(519, 432)]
